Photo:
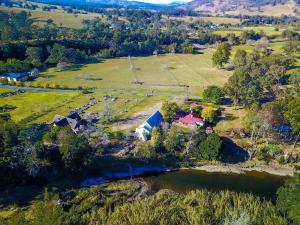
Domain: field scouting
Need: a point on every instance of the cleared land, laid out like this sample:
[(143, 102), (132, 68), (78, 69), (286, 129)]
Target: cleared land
[(59, 17), (213, 19), (269, 30), (35, 107), (164, 74)]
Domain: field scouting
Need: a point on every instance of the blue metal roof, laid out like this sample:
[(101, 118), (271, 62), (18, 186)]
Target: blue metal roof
[(155, 120), (282, 128), (16, 75)]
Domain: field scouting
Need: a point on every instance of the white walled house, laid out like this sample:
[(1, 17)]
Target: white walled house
[(144, 131)]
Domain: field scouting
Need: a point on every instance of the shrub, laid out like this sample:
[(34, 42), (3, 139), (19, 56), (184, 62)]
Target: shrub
[(281, 160), (20, 84), (3, 80), (46, 85)]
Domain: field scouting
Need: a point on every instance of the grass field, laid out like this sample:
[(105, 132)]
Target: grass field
[(165, 73), (269, 30), (59, 17), (4, 90), (35, 107), (213, 19)]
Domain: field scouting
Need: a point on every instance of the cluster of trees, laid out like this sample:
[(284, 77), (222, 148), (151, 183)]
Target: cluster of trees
[(37, 153), (255, 75), (25, 44)]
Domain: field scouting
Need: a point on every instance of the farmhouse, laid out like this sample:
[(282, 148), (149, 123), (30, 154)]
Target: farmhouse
[(73, 120), (16, 76), (191, 119), (144, 131)]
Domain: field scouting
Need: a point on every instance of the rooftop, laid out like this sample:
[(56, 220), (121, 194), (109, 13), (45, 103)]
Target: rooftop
[(15, 75), (155, 119), (191, 119)]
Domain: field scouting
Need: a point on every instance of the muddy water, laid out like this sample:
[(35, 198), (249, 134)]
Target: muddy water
[(258, 183)]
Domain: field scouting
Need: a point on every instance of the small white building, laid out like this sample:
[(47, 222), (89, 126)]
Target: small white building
[(144, 131)]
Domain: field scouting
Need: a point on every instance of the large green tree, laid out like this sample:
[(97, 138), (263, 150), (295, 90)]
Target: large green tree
[(222, 55), (209, 148), (243, 89), (57, 53), (75, 150), (34, 56), (213, 94), (169, 109)]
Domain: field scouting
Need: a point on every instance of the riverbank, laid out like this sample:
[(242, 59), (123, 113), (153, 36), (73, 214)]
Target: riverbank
[(109, 176), (240, 169)]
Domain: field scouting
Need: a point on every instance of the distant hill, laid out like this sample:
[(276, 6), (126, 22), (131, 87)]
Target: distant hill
[(246, 7), (111, 3)]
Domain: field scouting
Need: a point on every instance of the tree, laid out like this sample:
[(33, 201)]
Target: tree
[(292, 47), (57, 53), (156, 139), (144, 150), (8, 134), (213, 94), (273, 75), (240, 58), (222, 55), (292, 115), (208, 114), (75, 150), (172, 141), (34, 56), (243, 89), (288, 199), (209, 148), (169, 110)]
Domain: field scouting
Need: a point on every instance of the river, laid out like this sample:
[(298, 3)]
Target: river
[(258, 183)]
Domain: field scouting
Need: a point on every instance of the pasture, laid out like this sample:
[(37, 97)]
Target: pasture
[(269, 30), (59, 17), (35, 107), (213, 19), (162, 74)]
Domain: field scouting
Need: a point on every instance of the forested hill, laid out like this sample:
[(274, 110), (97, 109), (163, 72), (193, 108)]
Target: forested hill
[(267, 7), (109, 4)]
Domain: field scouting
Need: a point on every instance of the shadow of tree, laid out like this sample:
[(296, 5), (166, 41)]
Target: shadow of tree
[(232, 153)]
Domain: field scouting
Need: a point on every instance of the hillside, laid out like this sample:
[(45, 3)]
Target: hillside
[(109, 4), (245, 7)]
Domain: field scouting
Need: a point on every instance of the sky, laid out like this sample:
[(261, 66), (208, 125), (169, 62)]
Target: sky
[(163, 1)]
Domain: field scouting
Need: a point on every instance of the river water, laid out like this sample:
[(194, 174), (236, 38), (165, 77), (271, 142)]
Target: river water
[(258, 183)]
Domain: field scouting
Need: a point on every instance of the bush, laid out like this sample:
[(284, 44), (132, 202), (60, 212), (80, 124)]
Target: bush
[(19, 84), (281, 160), (46, 85), (3, 80)]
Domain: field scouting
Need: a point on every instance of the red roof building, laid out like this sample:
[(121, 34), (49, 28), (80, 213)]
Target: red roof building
[(191, 119)]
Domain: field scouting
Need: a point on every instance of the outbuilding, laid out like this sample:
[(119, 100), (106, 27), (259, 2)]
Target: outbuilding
[(16, 76)]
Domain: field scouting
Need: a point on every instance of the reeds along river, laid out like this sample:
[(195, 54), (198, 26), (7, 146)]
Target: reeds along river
[(258, 183)]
